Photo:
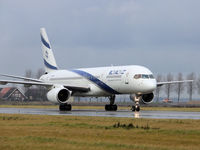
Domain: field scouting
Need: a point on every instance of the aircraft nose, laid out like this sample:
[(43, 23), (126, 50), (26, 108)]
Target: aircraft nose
[(153, 85), (150, 85)]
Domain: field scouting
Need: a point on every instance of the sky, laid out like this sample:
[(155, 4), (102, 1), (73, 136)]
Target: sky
[(161, 35)]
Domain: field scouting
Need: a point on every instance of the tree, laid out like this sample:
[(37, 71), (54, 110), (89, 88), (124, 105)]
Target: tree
[(191, 85), (168, 86), (158, 89), (41, 89), (39, 73), (198, 85), (179, 86), (28, 74), (37, 92)]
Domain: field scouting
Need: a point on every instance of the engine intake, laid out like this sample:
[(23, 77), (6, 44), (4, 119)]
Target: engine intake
[(60, 95), (147, 98)]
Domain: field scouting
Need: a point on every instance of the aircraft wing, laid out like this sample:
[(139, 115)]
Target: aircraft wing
[(4, 82), (172, 82), (30, 83), (20, 77)]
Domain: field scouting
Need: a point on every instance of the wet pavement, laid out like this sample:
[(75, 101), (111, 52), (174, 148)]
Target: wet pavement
[(103, 113)]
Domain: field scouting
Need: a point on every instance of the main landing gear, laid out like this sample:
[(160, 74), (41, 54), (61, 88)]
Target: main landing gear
[(111, 106), (136, 100), (65, 107)]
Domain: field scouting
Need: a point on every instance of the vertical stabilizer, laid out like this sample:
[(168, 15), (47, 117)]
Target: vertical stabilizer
[(48, 56)]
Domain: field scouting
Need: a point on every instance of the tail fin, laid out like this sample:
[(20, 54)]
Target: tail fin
[(48, 56)]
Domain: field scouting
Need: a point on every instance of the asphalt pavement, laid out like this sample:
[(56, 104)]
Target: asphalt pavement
[(103, 113)]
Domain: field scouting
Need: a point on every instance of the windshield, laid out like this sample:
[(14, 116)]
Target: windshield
[(143, 76)]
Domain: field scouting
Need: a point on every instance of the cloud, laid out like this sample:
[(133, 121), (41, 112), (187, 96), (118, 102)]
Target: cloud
[(158, 34)]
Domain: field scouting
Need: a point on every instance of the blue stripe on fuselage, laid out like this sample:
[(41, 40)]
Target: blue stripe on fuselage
[(49, 65), (98, 82), (44, 42)]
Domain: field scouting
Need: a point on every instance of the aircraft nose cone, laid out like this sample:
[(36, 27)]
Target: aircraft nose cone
[(150, 86), (153, 85)]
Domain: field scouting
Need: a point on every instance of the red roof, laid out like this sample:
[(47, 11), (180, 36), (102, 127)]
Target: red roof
[(4, 91)]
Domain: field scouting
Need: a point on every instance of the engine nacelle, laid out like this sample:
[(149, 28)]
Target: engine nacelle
[(147, 98), (60, 95)]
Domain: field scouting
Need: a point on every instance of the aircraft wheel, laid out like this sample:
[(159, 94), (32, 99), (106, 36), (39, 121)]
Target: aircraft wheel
[(107, 107), (137, 108), (133, 108), (114, 107), (65, 107), (111, 107)]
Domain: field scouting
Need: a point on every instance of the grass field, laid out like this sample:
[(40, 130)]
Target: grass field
[(30, 132)]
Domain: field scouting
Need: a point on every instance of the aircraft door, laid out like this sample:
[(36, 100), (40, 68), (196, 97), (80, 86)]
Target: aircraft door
[(127, 78)]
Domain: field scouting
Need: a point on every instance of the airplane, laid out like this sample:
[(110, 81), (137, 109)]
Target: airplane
[(137, 81)]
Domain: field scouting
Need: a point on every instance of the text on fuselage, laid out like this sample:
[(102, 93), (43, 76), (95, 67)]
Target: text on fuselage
[(117, 72)]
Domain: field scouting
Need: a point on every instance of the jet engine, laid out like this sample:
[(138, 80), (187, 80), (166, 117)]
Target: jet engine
[(59, 94), (147, 98)]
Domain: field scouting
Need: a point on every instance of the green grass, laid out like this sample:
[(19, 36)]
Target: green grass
[(22, 132)]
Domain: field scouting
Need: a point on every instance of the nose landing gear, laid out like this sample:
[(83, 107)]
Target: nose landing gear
[(135, 108), (111, 106), (136, 100)]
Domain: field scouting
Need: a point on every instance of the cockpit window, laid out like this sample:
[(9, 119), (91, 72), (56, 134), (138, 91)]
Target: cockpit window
[(143, 76), (137, 76), (151, 76)]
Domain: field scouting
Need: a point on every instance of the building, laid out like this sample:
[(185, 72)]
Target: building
[(12, 94), (36, 94)]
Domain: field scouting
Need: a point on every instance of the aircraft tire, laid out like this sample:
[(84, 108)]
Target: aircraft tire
[(114, 107), (111, 107), (133, 108), (137, 108), (65, 107)]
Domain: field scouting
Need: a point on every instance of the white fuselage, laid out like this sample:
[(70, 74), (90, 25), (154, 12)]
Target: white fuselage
[(105, 81)]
